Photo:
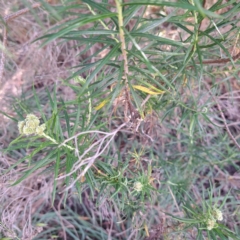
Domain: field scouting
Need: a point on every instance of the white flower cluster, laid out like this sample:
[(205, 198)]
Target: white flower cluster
[(216, 215), (138, 186), (31, 126), (211, 223)]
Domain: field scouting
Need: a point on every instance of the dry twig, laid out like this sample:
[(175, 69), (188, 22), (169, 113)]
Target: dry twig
[(98, 147)]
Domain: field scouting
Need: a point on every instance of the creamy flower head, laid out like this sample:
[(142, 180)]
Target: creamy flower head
[(31, 126), (138, 186), (40, 129), (211, 223), (217, 214)]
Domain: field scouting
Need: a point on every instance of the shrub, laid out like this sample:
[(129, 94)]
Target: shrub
[(149, 129)]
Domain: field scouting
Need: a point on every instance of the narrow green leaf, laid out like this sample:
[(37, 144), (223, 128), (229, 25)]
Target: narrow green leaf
[(42, 163), (56, 171), (76, 24)]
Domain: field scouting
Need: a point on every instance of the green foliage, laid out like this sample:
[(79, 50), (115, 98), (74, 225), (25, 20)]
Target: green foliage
[(207, 218), (142, 131)]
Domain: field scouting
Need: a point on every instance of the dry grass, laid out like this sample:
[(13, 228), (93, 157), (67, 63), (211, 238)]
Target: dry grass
[(19, 203), (27, 65)]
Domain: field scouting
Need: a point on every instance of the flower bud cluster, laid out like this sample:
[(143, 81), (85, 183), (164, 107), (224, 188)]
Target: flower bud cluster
[(138, 186), (216, 215), (31, 126), (211, 223)]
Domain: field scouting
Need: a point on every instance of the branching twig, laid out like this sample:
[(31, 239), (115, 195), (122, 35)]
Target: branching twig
[(89, 161)]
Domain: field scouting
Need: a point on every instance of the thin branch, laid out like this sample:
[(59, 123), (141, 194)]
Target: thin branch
[(173, 197), (223, 118), (221, 61), (122, 38), (102, 22), (4, 44), (128, 104)]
